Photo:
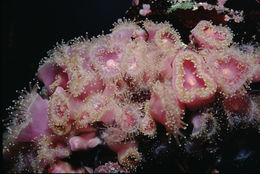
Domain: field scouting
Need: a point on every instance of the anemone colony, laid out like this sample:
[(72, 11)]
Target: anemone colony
[(113, 88)]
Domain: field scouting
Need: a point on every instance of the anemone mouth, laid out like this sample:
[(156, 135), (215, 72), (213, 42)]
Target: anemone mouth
[(163, 36), (133, 67), (134, 63), (214, 34), (111, 61), (168, 39), (191, 78), (108, 65), (231, 69)]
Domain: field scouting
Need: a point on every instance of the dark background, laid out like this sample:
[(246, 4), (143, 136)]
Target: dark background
[(30, 28)]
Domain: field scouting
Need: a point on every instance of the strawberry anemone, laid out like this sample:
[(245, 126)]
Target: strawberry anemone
[(207, 35), (166, 109), (190, 80), (30, 120), (231, 69)]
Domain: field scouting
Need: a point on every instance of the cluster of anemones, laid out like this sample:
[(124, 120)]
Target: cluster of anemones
[(107, 90)]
